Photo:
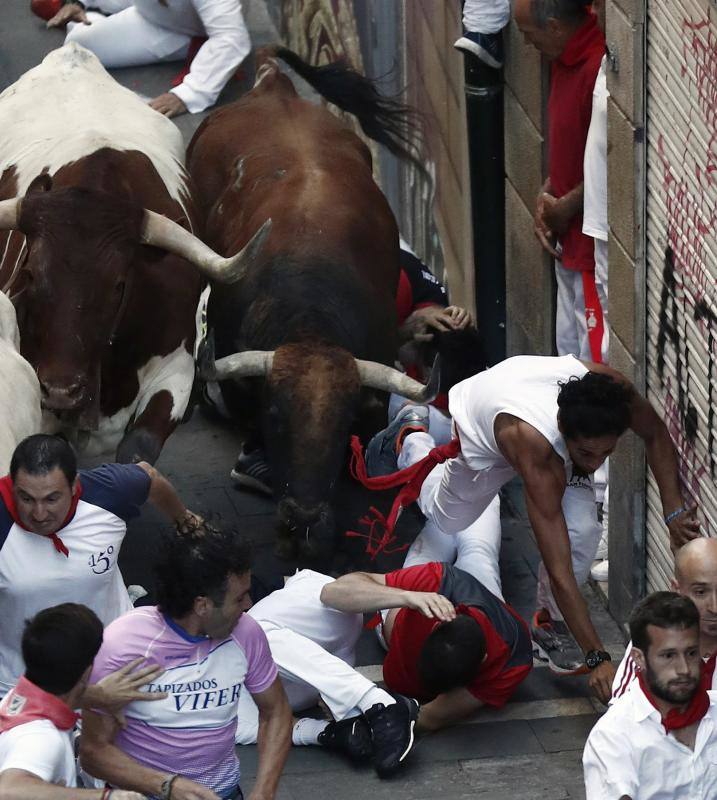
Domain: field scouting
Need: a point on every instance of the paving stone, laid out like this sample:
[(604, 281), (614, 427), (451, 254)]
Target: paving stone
[(553, 776), (479, 741), (563, 733)]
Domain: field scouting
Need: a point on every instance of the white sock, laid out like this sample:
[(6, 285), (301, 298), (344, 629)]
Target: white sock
[(307, 730), (375, 695)]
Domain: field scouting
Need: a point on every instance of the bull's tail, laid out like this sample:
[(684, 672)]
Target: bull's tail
[(383, 119)]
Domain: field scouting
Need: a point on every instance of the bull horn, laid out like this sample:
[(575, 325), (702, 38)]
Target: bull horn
[(9, 213), (247, 364), (159, 231), (379, 376)]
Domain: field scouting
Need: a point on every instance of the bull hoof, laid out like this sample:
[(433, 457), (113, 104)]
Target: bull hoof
[(286, 546), (139, 445)]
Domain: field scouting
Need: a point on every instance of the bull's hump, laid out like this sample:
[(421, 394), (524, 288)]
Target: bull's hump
[(69, 107)]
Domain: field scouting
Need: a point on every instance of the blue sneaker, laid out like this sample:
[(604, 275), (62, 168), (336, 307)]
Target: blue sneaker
[(488, 47), (383, 449)]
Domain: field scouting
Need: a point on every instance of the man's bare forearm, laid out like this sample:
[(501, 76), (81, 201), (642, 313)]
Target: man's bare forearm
[(17, 784), (662, 458), (358, 592), (273, 742), (575, 611), (108, 763)]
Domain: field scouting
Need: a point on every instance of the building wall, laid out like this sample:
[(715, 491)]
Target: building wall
[(434, 217), (530, 293)]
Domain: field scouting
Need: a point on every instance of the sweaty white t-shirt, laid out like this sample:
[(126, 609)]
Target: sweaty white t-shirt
[(40, 748), (526, 387)]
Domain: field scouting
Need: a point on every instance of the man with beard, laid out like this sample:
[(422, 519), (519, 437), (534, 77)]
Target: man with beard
[(659, 740), (696, 578)]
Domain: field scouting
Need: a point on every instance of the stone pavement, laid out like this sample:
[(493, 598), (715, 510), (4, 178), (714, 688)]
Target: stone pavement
[(530, 749)]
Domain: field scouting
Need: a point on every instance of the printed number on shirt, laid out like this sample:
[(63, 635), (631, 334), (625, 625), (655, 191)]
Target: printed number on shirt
[(100, 562)]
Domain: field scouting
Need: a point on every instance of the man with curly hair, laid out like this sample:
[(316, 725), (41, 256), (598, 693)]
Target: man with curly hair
[(553, 422), (182, 747)]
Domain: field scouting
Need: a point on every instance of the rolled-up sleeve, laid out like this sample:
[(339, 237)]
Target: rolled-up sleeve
[(609, 766), (227, 45)]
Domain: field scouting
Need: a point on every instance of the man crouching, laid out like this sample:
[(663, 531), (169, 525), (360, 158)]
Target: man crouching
[(183, 748)]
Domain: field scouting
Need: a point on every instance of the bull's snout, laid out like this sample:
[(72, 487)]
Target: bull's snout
[(64, 395)]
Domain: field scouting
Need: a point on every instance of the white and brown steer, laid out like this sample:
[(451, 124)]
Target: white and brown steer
[(97, 255)]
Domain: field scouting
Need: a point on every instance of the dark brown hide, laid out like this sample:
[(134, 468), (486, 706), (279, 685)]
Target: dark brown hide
[(323, 288)]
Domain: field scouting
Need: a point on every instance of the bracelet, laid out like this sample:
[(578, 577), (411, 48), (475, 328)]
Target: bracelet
[(167, 783), (674, 514)]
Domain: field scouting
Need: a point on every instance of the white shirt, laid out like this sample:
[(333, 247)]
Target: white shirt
[(595, 163), (40, 748), (629, 753), (526, 387), (227, 45), (34, 575)]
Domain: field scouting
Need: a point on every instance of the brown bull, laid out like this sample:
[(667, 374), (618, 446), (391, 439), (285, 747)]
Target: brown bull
[(315, 315), (90, 175)]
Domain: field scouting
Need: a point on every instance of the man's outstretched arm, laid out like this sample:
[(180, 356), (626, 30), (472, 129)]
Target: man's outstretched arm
[(273, 739), (366, 592), (662, 458), (447, 709), (544, 486)]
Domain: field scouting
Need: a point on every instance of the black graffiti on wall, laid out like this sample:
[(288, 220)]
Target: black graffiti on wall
[(671, 332)]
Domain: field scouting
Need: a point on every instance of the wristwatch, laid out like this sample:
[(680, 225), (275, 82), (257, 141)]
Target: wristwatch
[(596, 657)]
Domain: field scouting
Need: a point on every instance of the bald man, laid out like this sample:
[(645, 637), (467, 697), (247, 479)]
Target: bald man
[(696, 578)]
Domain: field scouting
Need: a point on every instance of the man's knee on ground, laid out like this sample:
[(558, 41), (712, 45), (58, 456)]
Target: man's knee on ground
[(451, 655)]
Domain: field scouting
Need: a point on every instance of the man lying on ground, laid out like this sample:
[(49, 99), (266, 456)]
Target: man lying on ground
[(451, 643), (314, 648)]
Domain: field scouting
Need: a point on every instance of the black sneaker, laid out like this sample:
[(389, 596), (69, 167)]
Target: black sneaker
[(556, 645), (350, 736), (252, 471), (383, 449), (488, 47), (392, 735)]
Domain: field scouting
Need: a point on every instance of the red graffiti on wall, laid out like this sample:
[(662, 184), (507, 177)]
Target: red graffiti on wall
[(688, 308)]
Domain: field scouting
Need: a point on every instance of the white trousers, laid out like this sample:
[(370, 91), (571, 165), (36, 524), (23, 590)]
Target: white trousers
[(454, 496), (571, 331), (127, 39), (601, 274), (476, 549), (308, 670), (486, 16)]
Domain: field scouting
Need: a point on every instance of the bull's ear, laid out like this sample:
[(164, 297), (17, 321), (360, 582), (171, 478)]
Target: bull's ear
[(42, 183)]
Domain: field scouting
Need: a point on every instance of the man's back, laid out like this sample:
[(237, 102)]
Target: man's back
[(526, 387)]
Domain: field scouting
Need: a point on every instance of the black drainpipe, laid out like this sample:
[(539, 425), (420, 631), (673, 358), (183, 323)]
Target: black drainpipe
[(484, 113)]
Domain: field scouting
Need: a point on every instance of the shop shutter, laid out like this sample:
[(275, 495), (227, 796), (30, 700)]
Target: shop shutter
[(681, 253)]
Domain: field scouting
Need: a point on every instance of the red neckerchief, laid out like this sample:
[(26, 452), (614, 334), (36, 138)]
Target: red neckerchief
[(9, 500), (380, 528), (580, 44), (27, 703), (674, 720)]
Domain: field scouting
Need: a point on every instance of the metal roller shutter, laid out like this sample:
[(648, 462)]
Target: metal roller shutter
[(681, 252)]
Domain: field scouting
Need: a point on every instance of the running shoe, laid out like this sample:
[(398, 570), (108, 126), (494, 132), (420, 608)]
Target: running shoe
[(556, 645), (392, 734), (488, 47), (252, 471), (351, 736), (383, 449)]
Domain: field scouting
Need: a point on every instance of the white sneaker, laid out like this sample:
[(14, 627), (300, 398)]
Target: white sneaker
[(601, 552), (599, 571)]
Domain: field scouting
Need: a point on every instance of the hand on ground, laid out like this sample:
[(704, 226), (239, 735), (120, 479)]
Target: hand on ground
[(72, 12), (168, 104)]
